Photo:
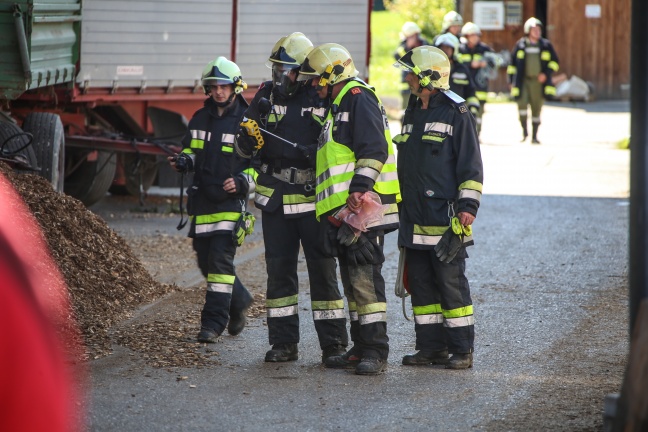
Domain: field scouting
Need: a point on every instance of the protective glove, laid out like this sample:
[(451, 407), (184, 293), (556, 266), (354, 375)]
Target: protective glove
[(451, 241), (360, 252), (329, 241), (346, 235), (251, 129), (244, 227), (242, 185)]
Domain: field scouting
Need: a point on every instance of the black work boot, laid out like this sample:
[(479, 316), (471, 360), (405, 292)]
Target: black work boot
[(460, 361), (348, 360), (525, 132), (282, 353), (534, 136), (426, 357), (207, 335), (332, 350), (237, 322), (371, 366)]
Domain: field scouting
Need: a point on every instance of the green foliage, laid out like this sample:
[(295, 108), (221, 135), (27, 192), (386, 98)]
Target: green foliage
[(385, 27), (428, 14)]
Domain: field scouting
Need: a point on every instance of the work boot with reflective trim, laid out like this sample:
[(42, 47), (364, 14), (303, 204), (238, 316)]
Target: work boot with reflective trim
[(207, 335), (282, 353), (371, 366), (332, 350), (348, 360), (460, 361), (426, 357)]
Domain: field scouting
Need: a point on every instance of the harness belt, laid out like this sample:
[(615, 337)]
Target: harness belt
[(290, 175)]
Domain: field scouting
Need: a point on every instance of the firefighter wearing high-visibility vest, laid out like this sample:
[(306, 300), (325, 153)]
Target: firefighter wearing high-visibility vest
[(285, 193), (472, 53), (354, 156), (217, 199), (533, 61), (440, 173)]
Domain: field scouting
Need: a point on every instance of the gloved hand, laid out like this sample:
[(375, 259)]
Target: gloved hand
[(183, 163), (329, 240), (346, 235), (242, 185), (360, 252), (251, 129), (451, 241)]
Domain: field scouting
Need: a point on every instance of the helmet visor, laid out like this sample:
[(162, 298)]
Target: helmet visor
[(307, 72)]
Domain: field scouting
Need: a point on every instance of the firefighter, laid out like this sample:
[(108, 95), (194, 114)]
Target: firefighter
[(533, 61), (217, 198), (410, 38), (354, 156), (451, 23), (461, 81), (472, 53), (440, 173), (286, 196)]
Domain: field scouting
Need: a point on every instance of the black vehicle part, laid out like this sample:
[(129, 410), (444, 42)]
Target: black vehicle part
[(49, 146), (14, 142), (89, 179)]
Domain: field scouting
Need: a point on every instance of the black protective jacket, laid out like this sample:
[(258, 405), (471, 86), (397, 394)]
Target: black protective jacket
[(210, 142), (439, 166), (293, 119)]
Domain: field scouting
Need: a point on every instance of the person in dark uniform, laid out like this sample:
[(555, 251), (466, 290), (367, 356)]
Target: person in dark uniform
[(354, 157), (441, 175), (410, 38), (533, 63), (285, 193), (217, 198)]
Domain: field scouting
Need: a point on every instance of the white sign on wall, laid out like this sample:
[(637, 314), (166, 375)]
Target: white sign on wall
[(593, 11), (489, 15)]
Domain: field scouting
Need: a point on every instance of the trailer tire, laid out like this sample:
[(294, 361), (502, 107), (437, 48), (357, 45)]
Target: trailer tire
[(49, 146), (90, 181), (14, 140), (149, 171)]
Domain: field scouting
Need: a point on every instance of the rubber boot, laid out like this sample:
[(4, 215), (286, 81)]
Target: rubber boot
[(282, 353), (460, 361), (348, 360), (371, 366), (525, 132), (426, 357), (241, 301), (207, 335), (534, 136), (332, 351)]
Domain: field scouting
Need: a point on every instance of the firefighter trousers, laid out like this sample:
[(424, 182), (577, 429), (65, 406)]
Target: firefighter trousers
[(225, 292), (531, 94), (364, 288), (282, 237), (443, 311)]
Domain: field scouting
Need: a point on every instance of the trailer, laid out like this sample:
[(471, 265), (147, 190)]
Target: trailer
[(95, 93)]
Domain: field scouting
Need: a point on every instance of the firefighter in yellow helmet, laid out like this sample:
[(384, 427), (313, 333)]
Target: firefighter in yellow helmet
[(217, 199), (533, 62), (354, 157), (285, 194), (410, 38), (441, 174), (474, 54)]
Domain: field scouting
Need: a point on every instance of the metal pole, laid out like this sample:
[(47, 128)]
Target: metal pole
[(638, 158)]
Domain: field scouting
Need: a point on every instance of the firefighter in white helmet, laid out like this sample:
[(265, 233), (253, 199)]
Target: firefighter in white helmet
[(441, 174), (217, 199), (472, 53), (285, 195), (533, 62), (355, 156), (410, 38), (451, 23)]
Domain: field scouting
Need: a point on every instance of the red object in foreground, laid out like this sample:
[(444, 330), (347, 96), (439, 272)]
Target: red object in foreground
[(38, 389)]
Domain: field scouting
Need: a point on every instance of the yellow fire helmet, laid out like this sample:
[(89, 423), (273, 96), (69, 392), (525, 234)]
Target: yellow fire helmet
[(331, 62), (429, 64)]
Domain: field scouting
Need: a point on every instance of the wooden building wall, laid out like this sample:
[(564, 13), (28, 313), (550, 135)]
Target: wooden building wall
[(595, 49)]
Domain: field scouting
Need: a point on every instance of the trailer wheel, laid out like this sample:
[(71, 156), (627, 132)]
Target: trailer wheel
[(90, 180), (14, 140), (48, 145), (147, 168)]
